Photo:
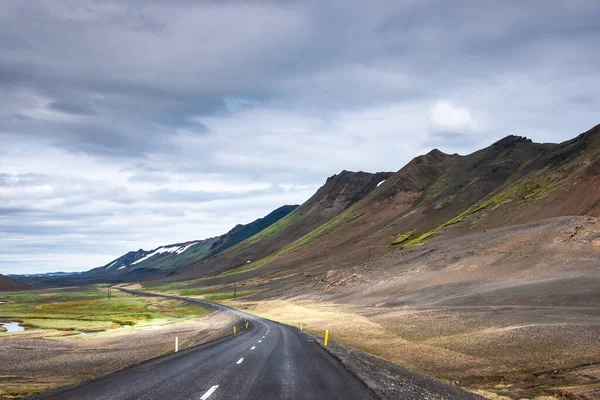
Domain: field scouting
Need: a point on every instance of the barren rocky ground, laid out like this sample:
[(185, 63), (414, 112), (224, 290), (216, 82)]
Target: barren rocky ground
[(511, 312)]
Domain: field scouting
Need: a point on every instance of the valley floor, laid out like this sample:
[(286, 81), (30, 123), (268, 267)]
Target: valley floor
[(42, 358)]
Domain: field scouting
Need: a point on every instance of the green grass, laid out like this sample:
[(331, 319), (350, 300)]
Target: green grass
[(435, 188), (531, 188), (402, 238), (89, 309), (278, 226), (341, 219), (192, 287), (69, 324), (348, 215)]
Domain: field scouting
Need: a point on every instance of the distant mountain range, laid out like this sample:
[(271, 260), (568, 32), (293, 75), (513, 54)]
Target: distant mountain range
[(142, 263), (356, 216)]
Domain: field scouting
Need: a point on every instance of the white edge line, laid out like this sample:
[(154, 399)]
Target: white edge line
[(240, 361), (209, 392)]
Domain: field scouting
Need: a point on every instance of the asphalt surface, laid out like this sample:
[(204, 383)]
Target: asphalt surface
[(266, 361)]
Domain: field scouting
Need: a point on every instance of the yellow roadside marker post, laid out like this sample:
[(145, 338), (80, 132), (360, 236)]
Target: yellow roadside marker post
[(246, 324), (326, 338), (234, 330)]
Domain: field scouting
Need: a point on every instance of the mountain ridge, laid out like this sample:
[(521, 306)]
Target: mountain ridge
[(435, 195), (140, 264), (339, 192)]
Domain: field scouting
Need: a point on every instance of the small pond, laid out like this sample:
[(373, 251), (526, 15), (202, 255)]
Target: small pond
[(12, 326)]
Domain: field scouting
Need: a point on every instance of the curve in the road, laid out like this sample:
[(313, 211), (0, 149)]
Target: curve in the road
[(266, 361)]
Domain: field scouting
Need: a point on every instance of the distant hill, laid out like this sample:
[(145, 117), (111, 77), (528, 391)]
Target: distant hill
[(141, 263), (9, 284)]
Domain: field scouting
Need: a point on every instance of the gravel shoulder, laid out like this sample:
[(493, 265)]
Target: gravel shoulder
[(391, 381)]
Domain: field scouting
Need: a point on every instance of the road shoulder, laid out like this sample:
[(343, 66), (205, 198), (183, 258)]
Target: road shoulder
[(391, 381)]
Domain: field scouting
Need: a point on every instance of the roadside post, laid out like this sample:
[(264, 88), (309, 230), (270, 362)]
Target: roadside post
[(176, 344), (246, 324), (326, 338), (234, 329)]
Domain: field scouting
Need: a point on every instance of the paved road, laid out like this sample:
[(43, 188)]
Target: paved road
[(266, 361)]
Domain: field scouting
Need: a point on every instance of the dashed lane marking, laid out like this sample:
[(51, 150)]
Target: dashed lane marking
[(209, 392), (252, 348), (240, 361), (260, 341)]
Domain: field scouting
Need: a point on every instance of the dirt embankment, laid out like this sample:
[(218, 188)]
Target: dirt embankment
[(32, 363)]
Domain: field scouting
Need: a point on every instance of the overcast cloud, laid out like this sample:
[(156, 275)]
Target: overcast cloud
[(128, 124)]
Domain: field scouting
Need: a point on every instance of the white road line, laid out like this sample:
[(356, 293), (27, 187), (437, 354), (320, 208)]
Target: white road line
[(264, 337), (240, 361), (260, 341), (252, 348), (210, 391)]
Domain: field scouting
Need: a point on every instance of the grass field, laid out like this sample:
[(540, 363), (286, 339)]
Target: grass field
[(88, 309), (211, 293)]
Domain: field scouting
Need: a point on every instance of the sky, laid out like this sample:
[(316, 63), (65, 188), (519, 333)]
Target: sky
[(128, 124)]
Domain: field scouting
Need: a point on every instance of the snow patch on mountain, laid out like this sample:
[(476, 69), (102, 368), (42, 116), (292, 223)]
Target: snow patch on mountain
[(182, 249), (160, 250)]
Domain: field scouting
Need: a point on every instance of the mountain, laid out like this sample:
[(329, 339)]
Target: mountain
[(339, 192), (242, 232), (355, 217), (9, 284), (141, 264), (480, 269)]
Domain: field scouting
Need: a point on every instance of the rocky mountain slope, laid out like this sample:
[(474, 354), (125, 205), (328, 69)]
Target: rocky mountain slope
[(339, 192), (434, 196)]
